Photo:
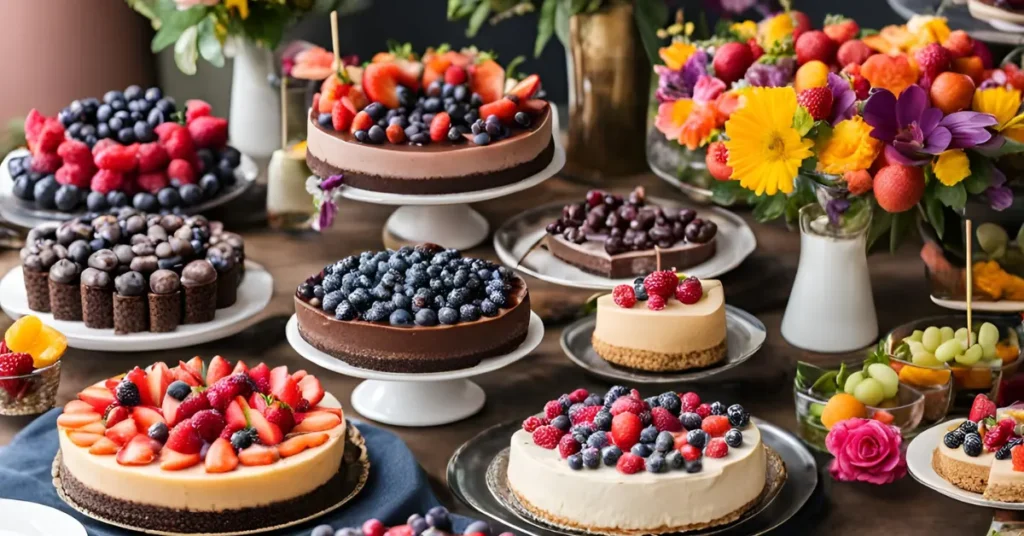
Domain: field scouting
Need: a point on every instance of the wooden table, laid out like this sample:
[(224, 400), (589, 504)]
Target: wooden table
[(763, 384)]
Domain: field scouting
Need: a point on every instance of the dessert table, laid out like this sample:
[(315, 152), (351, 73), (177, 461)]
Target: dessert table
[(763, 384)]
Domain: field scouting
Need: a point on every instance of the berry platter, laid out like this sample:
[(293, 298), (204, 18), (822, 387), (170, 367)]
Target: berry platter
[(253, 296), (416, 399), (26, 214), (477, 476), (515, 238)]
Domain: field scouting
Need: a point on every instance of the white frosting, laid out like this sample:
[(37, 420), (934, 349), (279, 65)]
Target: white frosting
[(606, 499)]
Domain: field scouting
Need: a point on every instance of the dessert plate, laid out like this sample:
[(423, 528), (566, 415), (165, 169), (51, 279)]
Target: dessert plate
[(744, 335), (983, 28), (25, 214), (1001, 306), (735, 242), (470, 472), (919, 464), (23, 518), (420, 399), (253, 296)]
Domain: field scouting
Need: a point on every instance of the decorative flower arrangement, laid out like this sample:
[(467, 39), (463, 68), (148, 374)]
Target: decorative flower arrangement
[(866, 450), (909, 117)]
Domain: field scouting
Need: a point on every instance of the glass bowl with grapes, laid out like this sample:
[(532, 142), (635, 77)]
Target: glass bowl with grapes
[(998, 267), (978, 361)]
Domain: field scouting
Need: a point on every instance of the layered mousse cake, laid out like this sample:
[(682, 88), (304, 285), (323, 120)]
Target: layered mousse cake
[(445, 123), (662, 323), (982, 453), (101, 270), (202, 447), (422, 309), (622, 464), (616, 237)]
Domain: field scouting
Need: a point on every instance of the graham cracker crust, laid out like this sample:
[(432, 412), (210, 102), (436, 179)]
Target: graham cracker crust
[(965, 476), (656, 361)]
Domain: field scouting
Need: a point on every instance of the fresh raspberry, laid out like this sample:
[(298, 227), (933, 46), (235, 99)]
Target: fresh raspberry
[(689, 291), (75, 152), (102, 145), (716, 448), (193, 404), (817, 101), (933, 59), (74, 175), (626, 428), (195, 108), (152, 182), (534, 422), (630, 464), (15, 364), (34, 123), (395, 133), (209, 132), (221, 393), (179, 145), (579, 395), (690, 452), (106, 181), (703, 410), (208, 424), (655, 302), (182, 171), (455, 75), (690, 401), (362, 121), (585, 414), (624, 296), (50, 137), (547, 436), (998, 435), (117, 158), (982, 407), (184, 438), (164, 130), (661, 283), (664, 421), (815, 45), (567, 446), (553, 409), (628, 404), (46, 163), (439, 126), (715, 425), (1017, 453), (152, 157)]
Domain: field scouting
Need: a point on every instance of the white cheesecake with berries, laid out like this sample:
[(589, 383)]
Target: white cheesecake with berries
[(662, 324), (590, 463), (202, 448), (982, 454), (448, 122)]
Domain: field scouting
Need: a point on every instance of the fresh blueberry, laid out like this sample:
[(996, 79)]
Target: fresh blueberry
[(674, 459), (671, 402), (734, 438), (232, 156), (45, 191), (104, 112), (641, 449), (603, 420), (694, 466), (448, 316), (476, 100), (454, 135), (376, 134), (561, 422), (575, 462), (717, 408), (331, 300), (493, 129), (522, 119), (482, 139), (690, 421), (158, 431), (487, 308), (591, 457), (598, 441), (132, 92), (322, 530), (24, 188), (426, 317), (362, 136), (610, 455), (656, 463), (665, 442), (324, 120), (469, 313), (421, 138), (155, 117), (698, 438), (153, 94), (244, 438), (126, 136), (649, 435), (67, 197), (210, 185), (190, 194), (401, 317), (145, 202), (438, 518), (968, 427), (168, 197), (179, 390)]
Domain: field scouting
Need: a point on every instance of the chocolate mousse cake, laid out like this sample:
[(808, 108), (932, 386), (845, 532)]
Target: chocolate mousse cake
[(97, 299), (438, 124), (65, 298), (164, 301), (422, 309), (616, 237), (130, 303), (199, 279)]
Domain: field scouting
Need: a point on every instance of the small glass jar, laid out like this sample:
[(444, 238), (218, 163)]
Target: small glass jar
[(30, 394)]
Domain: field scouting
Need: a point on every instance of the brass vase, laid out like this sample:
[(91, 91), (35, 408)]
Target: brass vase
[(609, 78)]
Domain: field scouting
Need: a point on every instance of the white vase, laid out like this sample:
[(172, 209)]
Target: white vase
[(831, 309), (255, 120)]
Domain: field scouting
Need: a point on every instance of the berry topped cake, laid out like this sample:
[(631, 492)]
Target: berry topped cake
[(436, 522), (417, 309), (448, 122), (671, 462), (662, 323), (1010, 11), (202, 447), (983, 453), (615, 237)]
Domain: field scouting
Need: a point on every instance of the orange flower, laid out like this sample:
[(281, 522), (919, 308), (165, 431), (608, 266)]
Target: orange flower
[(692, 121)]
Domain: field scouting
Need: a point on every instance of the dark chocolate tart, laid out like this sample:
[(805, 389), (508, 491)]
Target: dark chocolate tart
[(591, 257)]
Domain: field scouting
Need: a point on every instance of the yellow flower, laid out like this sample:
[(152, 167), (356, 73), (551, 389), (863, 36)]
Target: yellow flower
[(775, 29), (744, 30), (951, 167), (676, 54), (765, 151), (241, 5), (1004, 105), (928, 29), (850, 148)]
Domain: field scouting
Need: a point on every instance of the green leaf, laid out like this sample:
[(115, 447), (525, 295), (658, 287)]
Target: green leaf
[(594, 5), (770, 208), (881, 221), (577, 6), (510, 69), (562, 14), (980, 178), (173, 24), (802, 121), (844, 373), (185, 50), (1008, 146), (453, 8), (901, 222), (726, 193), (210, 47), (826, 383), (650, 15), (546, 25), (936, 215), (477, 19), (954, 197)]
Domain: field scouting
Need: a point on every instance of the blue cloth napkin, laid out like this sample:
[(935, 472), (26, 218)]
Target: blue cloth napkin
[(397, 487)]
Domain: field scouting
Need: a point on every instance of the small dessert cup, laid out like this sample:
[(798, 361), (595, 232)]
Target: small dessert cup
[(935, 383), (30, 394)]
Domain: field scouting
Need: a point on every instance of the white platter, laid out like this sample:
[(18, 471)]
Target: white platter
[(22, 518)]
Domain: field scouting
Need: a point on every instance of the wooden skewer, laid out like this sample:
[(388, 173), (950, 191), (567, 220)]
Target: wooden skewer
[(970, 278), (284, 113), (657, 258), (334, 41)]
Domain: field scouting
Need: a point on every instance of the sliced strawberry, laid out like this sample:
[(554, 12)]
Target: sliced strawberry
[(336, 411), (284, 387), (170, 410), (93, 428), (259, 455), (296, 444), (171, 460), (184, 438), (217, 369), (100, 398), (311, 390), (117, 414), (104, 447), (196, 366), (84, 439), (158, 378), (138, 377), (122, 432), (410, 73), (146, 416), (141, 450), (258, 402), (380, 82), (318, 421), (439, 126), (77, 420), (342, 114), (221, 457), (487, 78), (240, 368), (533, 107), (235, 415), (111, 383), (526, 88), (299, 374), (270, 433), (362, 121), (281, 415), (182, 373), (504, 109), (260, 374)]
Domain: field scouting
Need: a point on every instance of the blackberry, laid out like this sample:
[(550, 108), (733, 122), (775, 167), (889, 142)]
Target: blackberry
[(603, 420), (610, 455), (649, 435), (244, 438), (360, 299), (972, 445), (346, 311), (591, 457), (426, 317), (734, 438), (698, 438), (670, 401), (969, 427), (598, 441), (954, 439), (487, 308), (447, 315), (575, 462), (561, 422), (460, 279), (179, 390), (738, 416), (665, 442), (1002, 454), (127, 393), (717, 408), (641, 449), (614, 394), (331, 300), (469, 313), (499, 298), (401, 317), (656, 463), (158, 431), (694, 466)]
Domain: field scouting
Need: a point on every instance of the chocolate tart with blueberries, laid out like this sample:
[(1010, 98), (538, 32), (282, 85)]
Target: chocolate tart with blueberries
[(615, 237), (422, 309), (444, 123)]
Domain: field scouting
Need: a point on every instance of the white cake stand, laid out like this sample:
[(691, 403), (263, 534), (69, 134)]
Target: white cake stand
[(253, 296), (447, 219), (425, 399)]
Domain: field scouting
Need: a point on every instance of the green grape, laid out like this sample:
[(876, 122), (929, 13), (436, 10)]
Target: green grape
[(962, 335), (852, 381), (988, 352), (988, 335), (869, 392), (915, 336), (932, 338), (887, 377), (993, 239), (925, 359), (971, 356), (948, 350), (916, 348), (947, 333)]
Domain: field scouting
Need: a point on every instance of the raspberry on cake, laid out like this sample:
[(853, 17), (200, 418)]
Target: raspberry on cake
[(436, 522), (672, 476), (981, 454), (145, 446), (417, 309)]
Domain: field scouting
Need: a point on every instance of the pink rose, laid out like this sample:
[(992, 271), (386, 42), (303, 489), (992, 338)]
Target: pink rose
[(186, 4), (866, 450)]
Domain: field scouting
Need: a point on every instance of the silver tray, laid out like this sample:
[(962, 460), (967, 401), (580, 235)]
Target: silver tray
[(744, 336), (469, 467)]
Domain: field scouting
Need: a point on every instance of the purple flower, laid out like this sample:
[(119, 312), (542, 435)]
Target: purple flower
[(675, 85), (969, 129), (909, 127), (332, 182), (694, 69), (835, 208), (1000, 197), (771, 75), (323, 194), (328, 210), (844, 98)]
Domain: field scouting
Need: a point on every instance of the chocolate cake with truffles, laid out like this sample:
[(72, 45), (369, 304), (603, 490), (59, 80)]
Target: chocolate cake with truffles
[(164, 301), (97, 299), (130, 303), (36, 262), (200, 281), (65, 298)]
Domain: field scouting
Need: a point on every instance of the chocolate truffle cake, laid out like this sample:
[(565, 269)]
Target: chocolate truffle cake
[(100, 271), (422, 309)]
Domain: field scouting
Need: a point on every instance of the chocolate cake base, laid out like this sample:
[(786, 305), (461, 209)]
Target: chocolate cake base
[(164, 312), (438, 185), (200, 303), (37, 289), (591, 257), (130, 314), (98, 307), (65, 301), (227, 286)]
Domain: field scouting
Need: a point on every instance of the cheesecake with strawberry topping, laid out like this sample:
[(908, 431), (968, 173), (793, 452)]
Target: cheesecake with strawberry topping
[(447, 122), (662, 323), (235, 447), (666, 463)]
